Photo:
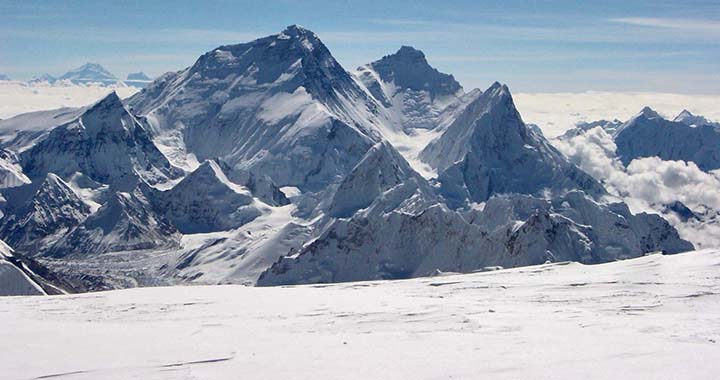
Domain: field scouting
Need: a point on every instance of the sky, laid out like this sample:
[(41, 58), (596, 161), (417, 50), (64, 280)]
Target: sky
[(533, 46)]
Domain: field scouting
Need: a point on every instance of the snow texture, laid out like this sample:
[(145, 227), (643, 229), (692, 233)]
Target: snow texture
[(647, 318)]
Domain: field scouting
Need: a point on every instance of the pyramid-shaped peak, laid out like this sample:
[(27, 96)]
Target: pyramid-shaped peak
[(649, 113), (109, 102), (684, 113), (409, 51)]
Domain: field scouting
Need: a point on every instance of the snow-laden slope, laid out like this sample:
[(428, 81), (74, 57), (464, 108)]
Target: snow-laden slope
[(14, 281), (652, 317)]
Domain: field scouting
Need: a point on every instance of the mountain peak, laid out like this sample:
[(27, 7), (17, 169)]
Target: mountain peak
[(90, 73), (110, 101), (138, 76), (296, 30), (409, 69), (683, 114), (649, 113), (409, 51)]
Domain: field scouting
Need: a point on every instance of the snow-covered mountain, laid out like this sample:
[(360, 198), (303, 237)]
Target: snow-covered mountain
[(268, 162), (4, 77), (405, 83), (649, 134), (106, 144), (90, 73), (488, 150), (139, 80), (280, 105)]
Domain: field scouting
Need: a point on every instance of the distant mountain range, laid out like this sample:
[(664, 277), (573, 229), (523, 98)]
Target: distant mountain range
[(91, 73), (267, 163)]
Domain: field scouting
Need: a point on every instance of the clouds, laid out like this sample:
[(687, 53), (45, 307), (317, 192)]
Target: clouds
[(649, 184), (682, 24)]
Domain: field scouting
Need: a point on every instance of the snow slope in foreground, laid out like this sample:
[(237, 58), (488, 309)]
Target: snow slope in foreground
[(651, 317)]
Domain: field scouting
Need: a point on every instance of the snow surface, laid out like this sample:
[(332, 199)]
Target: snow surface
[(651, 317)]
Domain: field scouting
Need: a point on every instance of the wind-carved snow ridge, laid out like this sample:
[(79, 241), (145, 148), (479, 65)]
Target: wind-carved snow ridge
[(391, 172)]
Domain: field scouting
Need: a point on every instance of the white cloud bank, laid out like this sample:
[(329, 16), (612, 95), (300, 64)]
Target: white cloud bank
[(648, 184), (19, 97), (555, 113)]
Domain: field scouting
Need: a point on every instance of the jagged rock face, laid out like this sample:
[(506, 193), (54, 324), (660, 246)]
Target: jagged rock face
[(384, 179), (511, 231), (406, 84), (489, 150), (127, 221), (280, 105), (648, 135), (34, 220), (105, 143), (206, 200)]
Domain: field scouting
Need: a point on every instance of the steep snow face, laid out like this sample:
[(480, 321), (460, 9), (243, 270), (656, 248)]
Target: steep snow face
[(11, 174), (13, 279), (648, 135), (105, 143), (90, 73), (207, 201), (489, 150), (413, 90), (280, 105), (510, 231), (125, 222), (34, 220)]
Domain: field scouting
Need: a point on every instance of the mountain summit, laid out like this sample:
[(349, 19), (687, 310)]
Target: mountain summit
[(90, 73)]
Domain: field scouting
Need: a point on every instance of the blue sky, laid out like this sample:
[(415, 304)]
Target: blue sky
[(533, 46)]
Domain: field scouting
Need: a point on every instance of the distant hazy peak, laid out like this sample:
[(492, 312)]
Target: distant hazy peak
[(138, 76)]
